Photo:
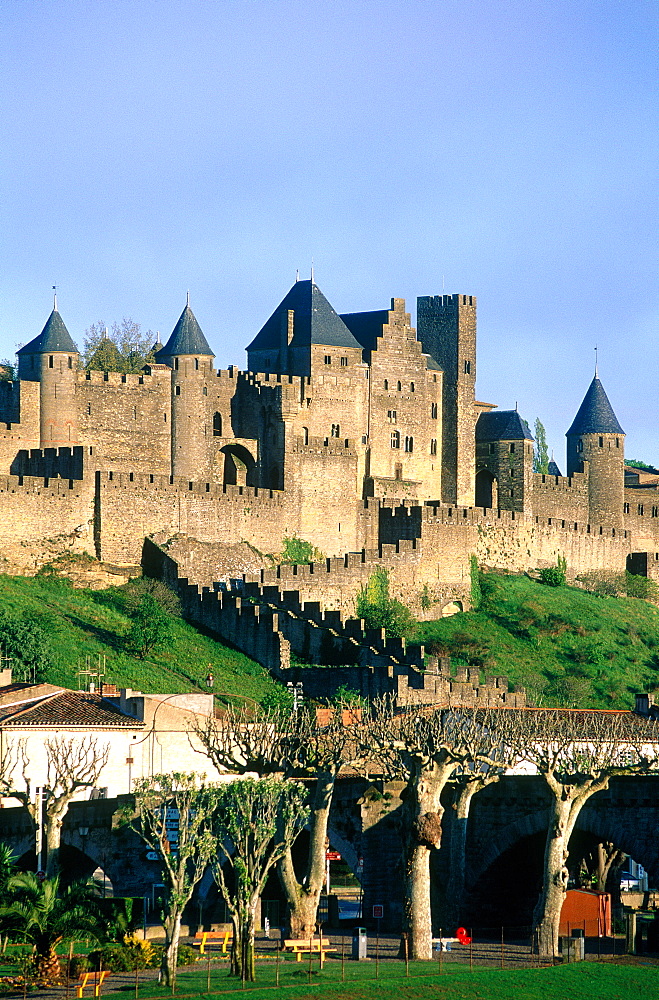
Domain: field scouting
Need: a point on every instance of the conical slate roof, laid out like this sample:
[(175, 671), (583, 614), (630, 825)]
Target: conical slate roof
[(595, 415), (54, 337), (186, 338), (315, 322), (502, 425), (553, 469)]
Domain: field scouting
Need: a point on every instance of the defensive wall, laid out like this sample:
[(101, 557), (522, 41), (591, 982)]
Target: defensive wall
[(269, 624)]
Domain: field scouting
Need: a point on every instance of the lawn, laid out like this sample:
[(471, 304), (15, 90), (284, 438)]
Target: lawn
[(591, 980), (565, 645), (85, 627)]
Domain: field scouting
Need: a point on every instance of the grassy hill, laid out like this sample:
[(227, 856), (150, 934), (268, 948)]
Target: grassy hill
[(82, 625), (567, 646)]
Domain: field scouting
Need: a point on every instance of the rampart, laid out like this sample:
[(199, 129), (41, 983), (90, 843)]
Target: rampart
[(269, 624)]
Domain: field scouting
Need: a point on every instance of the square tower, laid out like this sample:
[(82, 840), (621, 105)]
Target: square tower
[(446, 326)]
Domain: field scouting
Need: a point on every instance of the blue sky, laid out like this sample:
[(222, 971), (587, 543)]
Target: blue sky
[(498, 148)]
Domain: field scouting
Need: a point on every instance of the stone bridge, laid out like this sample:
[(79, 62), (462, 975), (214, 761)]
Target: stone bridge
[(505, 844)]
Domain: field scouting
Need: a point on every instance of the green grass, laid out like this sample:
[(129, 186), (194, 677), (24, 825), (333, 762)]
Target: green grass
[(567, 646), (588, 980), (85, 624)]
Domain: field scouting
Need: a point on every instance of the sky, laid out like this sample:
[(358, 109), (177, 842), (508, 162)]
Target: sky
[(506, 149)]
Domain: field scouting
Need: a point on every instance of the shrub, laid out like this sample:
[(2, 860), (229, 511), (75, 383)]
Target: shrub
[(297, 551), (641, 587), (151, 627), (379, 610), (554, 576)]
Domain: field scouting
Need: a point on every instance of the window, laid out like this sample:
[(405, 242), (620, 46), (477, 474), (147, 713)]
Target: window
[(204, 391), (175, 364), (512, 448), (395, 439), (467, 367), (386, 383), (391, 416), (305, 435), (617, 442), (601, 442), (655, 511), (344, 362), (177, 390), (164, 417), (89, 409), (51, 361), (411, 386), (492, 448), (336, 431), (409, 444), (640, 508), (433, 411), (433, 446), (328, 359), (196, 364), (217, 425), (70, 362), (579, 445), (399, 386), (625, 508), (134, 413)]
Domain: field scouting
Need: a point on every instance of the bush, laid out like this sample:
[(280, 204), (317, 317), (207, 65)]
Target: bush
[(298, 552), (554, 576), (641, 587), (151, 627), (131, 954), (379, 610)]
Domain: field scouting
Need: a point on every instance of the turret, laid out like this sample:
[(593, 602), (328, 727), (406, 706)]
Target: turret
[(596, 445), (52, 360), (504, 461), (188, 355)]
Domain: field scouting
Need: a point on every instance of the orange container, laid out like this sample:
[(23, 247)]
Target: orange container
[(586, 910)]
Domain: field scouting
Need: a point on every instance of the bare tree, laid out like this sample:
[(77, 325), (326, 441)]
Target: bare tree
[(289, 744), (174, 816), (70, 765), (577, 753), (425, 747)]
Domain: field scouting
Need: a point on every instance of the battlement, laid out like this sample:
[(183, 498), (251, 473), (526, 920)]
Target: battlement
[(50, 463), (179, 484), (116, 379), (325, 446), (447, 302)]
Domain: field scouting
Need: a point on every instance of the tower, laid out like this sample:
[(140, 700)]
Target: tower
[(446, 326), (52, 360), (596, 445), (190, 358)]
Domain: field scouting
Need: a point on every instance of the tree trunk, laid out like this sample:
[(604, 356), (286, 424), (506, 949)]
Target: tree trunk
[(53, 843), (303, 898), (47, 965), (422, 834), (547, 914), (455, 886), (172, 927)]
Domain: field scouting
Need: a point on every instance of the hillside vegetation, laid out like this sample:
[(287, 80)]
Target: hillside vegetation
[(566, 646), (77, 626)]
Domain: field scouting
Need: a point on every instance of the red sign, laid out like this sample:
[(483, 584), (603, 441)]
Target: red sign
[(378, 911), (332, 856)]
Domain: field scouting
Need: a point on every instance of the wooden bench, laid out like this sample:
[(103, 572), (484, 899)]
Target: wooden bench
[(95, 979), (226, 937), (308, 946)]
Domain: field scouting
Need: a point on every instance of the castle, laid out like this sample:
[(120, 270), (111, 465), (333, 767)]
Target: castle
[(355, 432)]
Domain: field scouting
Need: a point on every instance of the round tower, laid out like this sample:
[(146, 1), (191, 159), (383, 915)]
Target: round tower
[(596, 446), (188, 355), (52, 360)]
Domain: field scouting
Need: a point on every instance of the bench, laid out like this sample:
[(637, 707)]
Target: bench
[(95, 979), (444, 943), (308, 946), (226, 937)]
